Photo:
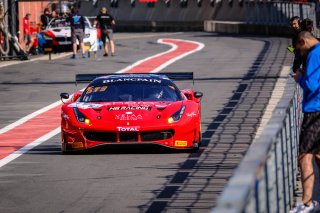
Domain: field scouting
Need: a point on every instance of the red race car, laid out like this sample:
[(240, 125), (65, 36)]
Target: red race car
[(131, 109)]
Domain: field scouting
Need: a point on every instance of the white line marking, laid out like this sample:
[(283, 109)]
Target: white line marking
[(275, 98), (28, 147), (28, 117), (173, 48), (200, 47), (46, 137), (54, 56), (62, 55), (147, 36)]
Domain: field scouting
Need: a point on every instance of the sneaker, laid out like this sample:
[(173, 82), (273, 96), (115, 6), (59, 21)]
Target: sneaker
[(105, 55), (73, 56), (112, 54), (84, 56), (302, 208)]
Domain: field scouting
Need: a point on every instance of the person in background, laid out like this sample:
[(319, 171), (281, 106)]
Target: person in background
[(106, 23), (27, 33), (77, 24), (54, 14), (295, 24), (307, 25), (45, 18), (309, 142), (34, 30)]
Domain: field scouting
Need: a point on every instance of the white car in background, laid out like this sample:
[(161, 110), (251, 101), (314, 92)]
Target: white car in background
[(57, 36)]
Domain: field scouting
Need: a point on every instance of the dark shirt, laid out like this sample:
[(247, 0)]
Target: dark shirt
[(76, 22), (105, 21), (45, 19), (298, 60)]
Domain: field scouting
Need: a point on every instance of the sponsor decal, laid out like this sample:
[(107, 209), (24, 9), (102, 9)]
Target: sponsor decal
[(128, 116), (128, 128), (150, 80), (181, 143), (95, 89), (119, 108), (192, 114), (65, 116), (77, 145)]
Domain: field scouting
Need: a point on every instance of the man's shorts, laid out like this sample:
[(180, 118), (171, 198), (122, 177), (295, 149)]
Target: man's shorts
[(310, 133), (27, 38), (77, 34), (106, 34)]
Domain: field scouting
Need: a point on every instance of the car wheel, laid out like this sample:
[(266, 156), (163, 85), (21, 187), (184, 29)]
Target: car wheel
[(197, 144)]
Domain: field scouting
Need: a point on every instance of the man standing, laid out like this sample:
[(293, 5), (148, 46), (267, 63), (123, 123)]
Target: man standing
[(106, 23), (27, 33), (309, 47), (77, 32), (45, 18), (307, 25), (295, 25)]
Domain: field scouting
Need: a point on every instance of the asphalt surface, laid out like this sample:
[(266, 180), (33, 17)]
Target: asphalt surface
[(236, 74)]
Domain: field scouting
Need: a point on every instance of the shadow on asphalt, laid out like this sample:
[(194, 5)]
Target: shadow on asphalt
[(109, 150), (225, 141)]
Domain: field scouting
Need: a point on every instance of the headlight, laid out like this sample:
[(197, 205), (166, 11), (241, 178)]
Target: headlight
[(81, 117), (177, 115)]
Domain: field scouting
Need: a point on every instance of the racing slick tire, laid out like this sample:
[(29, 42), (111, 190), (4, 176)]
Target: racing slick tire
[(197, 144)]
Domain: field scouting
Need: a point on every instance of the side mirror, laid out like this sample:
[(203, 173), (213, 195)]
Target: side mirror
[(198, 94), (64, 95)]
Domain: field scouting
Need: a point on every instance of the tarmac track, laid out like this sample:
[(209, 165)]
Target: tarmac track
[(236, 75)]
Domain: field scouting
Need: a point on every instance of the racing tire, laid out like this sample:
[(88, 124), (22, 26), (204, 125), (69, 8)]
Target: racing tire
[(196, 148)]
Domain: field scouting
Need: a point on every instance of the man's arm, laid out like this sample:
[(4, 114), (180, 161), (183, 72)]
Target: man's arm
[(95, 22), (83, 23), (310, 80), (113, 22), (25, 26), (297, 62)]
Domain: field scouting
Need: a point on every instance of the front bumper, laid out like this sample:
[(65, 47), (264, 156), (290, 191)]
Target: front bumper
[(86, 139)]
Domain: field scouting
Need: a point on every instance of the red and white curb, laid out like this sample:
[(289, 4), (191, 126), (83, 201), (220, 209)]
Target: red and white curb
[(36, 128)]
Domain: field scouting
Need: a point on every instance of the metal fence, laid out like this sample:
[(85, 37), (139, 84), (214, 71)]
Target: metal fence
[(266, 178)]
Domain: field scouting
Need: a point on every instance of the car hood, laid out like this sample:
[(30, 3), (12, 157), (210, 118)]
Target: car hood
[(128, 113)]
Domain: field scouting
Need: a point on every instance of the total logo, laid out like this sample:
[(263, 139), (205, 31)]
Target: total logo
[(128, 128), (128, 116)]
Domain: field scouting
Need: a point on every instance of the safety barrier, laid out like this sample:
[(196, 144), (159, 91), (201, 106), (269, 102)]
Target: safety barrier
[(259, 17), (266, 178)]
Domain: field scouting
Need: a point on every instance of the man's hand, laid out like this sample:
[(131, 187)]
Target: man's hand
[(298, 75)]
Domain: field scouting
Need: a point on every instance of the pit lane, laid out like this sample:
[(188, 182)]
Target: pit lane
[(236, 74)]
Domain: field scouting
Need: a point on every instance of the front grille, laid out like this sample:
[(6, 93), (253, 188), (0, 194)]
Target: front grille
[(128, 136), (156, 135), (101, 136)]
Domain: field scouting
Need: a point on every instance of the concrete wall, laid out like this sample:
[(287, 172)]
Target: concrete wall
[(159, 18), (260, 17), (159, 13)]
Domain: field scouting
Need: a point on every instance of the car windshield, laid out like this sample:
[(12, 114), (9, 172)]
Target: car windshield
[(59, 22), (101, 91)]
